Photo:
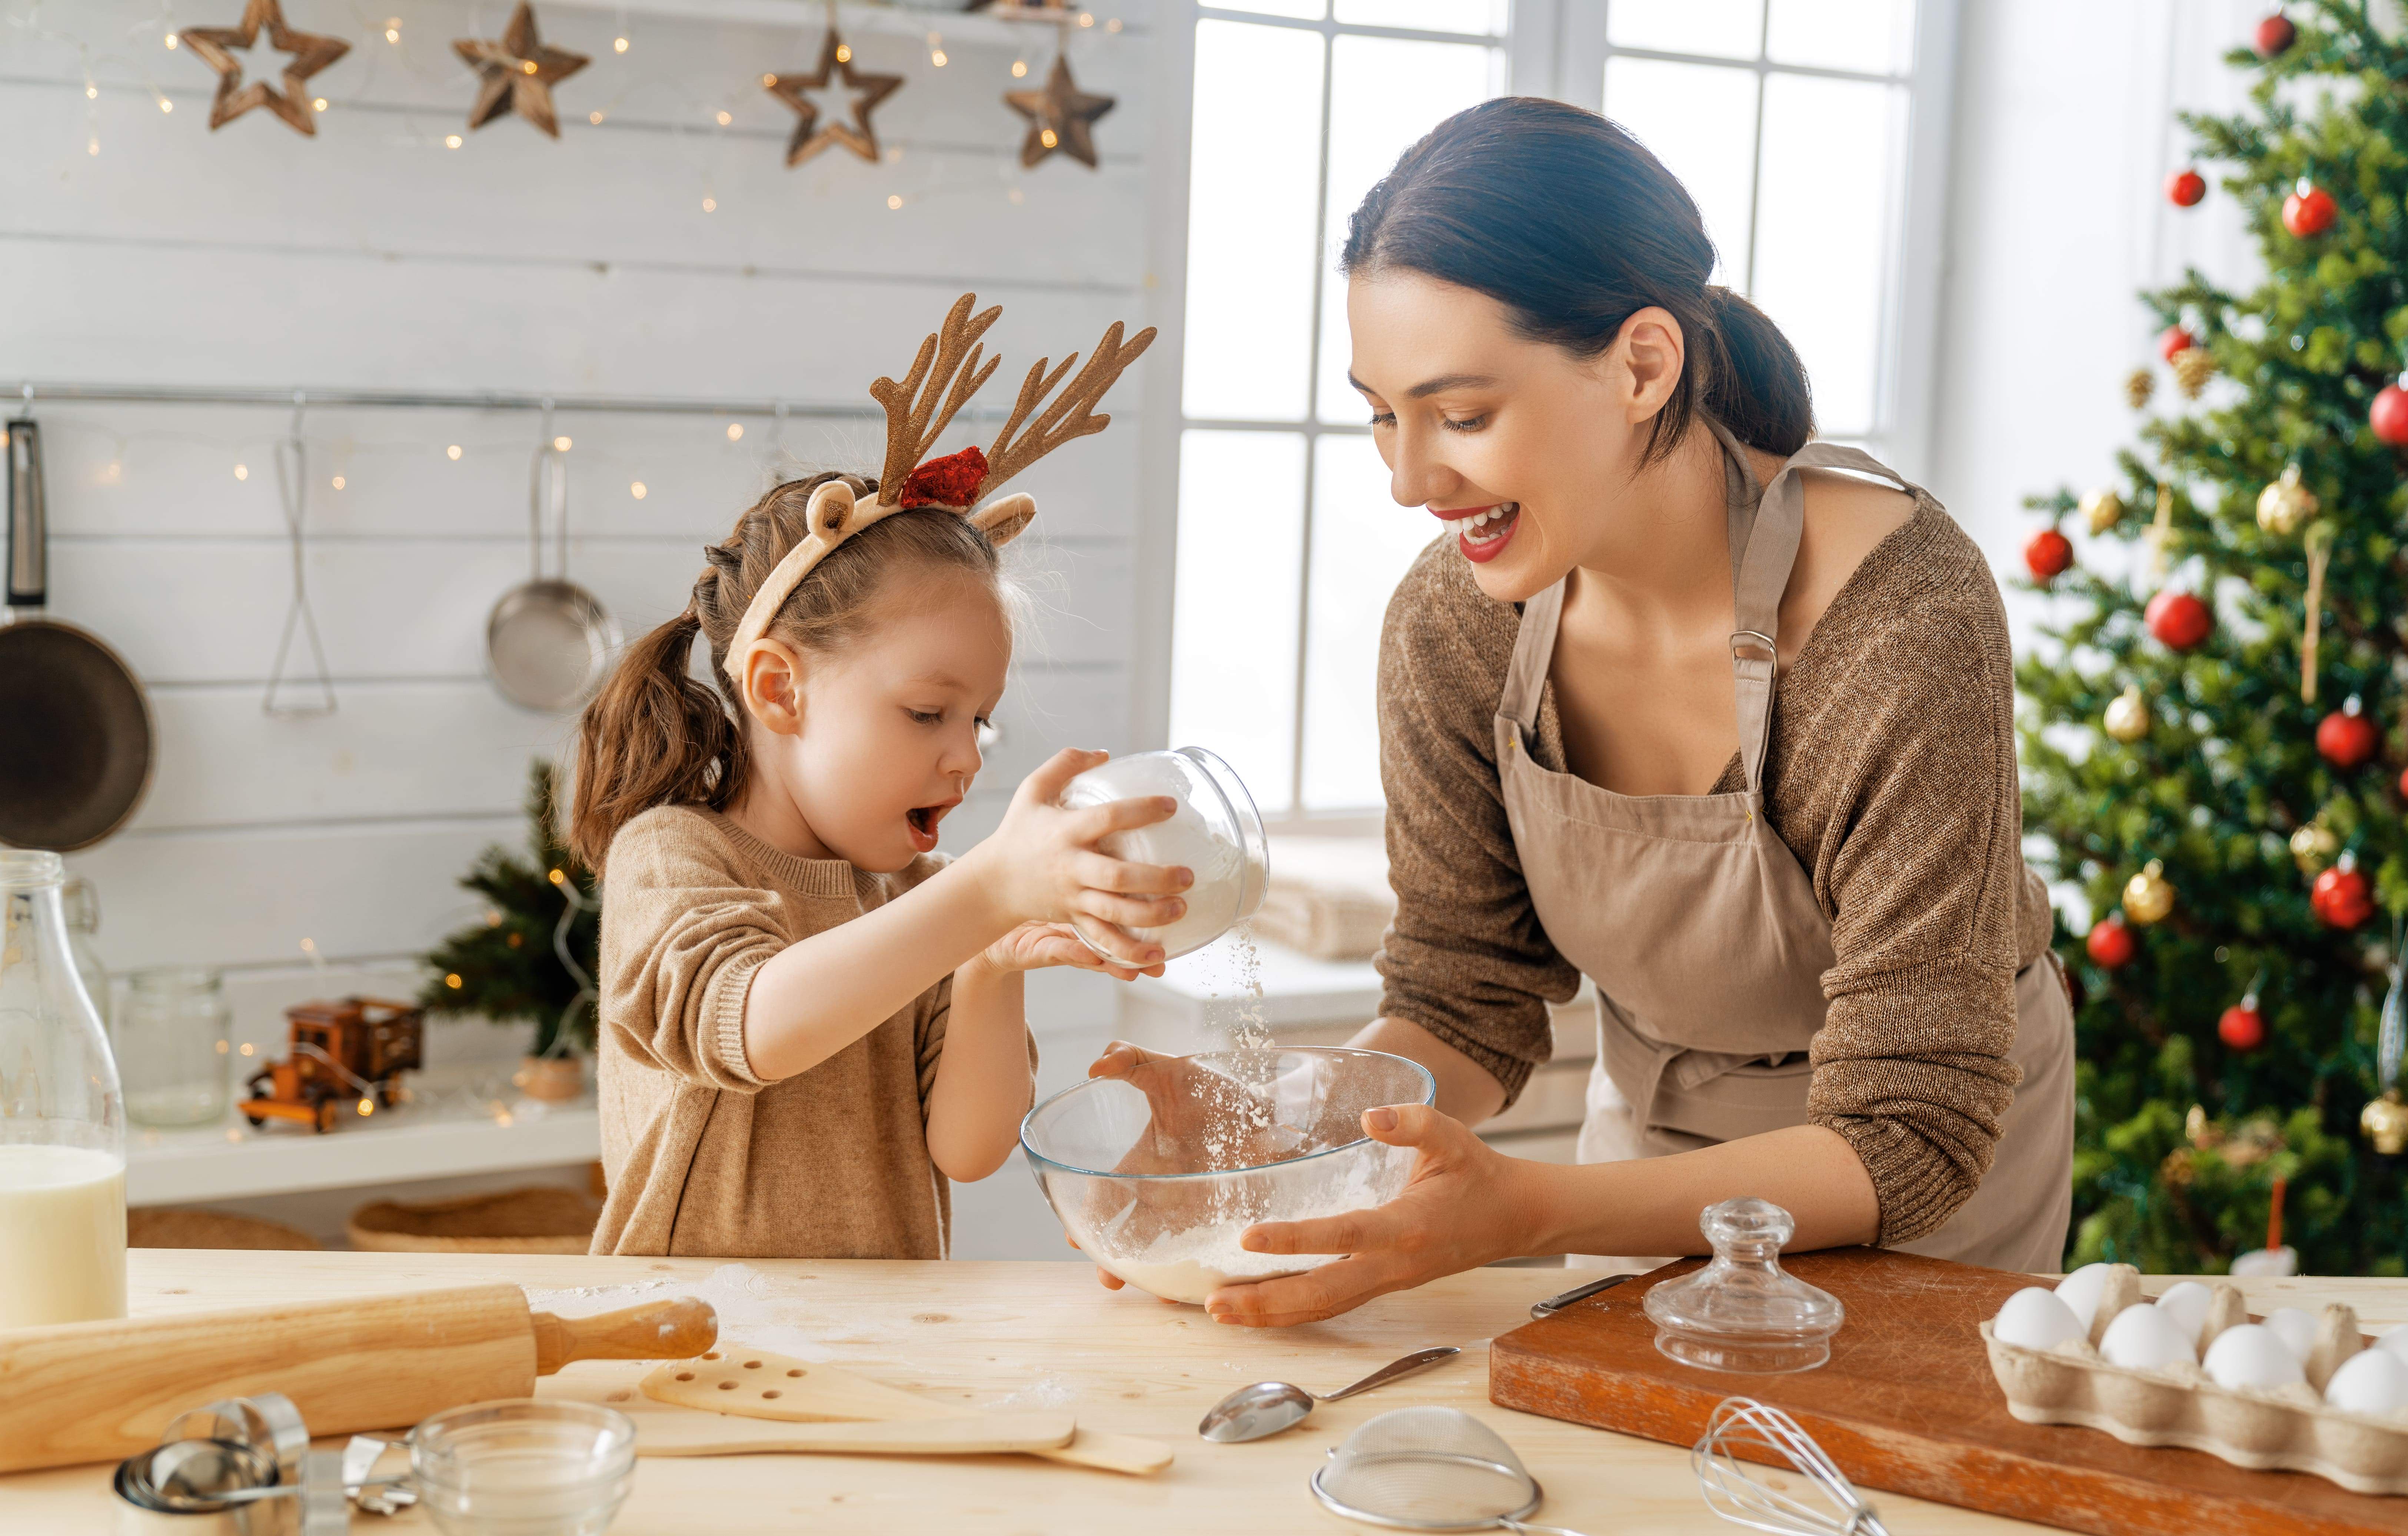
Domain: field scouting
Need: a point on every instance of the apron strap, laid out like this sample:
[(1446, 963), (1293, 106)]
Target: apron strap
[(1765, 527), (1534, 648)]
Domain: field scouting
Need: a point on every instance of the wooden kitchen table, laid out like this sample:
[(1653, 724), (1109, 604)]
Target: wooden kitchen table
[(1028, 1335)]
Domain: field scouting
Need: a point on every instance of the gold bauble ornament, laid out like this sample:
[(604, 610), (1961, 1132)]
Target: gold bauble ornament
[(2313, 847), (2193, 368), (2127, 715), (2101, 509), (2138, 386), (2384, 1121), (2149, 895), (2286, 505)]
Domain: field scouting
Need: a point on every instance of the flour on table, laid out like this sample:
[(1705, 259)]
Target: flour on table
[(754, 1307)]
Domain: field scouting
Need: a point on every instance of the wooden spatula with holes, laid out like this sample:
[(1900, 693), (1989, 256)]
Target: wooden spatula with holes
[(755, 1384)]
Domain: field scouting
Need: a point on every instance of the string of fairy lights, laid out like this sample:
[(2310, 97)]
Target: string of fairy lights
[(389, 48)]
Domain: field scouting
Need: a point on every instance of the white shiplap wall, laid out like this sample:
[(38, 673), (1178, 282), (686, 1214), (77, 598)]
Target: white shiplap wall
[(373, 256)]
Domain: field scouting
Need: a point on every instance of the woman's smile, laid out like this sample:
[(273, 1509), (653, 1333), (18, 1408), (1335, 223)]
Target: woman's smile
[(1480, 533)]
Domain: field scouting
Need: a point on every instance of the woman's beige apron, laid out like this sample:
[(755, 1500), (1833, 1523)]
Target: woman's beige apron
[(1702, 934)]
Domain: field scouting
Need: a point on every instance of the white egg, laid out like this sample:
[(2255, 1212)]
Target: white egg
[(2080, 1290), (2373, 1381), (2186, 1301), (2252, 1354), (2144, 1339), (2036, 1319), (2298, 1329), (2396, 1342)]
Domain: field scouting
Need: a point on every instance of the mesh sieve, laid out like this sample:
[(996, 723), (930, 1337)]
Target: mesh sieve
[(1429, 1468)]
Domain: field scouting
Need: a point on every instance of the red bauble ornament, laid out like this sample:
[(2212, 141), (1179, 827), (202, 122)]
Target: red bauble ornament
[(2389, 415), (2178, 618), (2310, 211), (2275, 34), (2173, 340), (2048, 553), (2185, 188), (2242, 1027), (2110, 943), (2340, 897), (2404, 783), (2345, 736)]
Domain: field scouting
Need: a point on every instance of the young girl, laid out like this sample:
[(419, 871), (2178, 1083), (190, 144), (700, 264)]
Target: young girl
[(810, 1021)]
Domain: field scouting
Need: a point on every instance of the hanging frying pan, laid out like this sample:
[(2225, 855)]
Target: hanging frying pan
[(549, 642), (74, 726)]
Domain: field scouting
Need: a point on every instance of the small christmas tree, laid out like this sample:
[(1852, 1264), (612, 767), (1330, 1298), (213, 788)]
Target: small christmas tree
[(535, 955), (2214, 743)]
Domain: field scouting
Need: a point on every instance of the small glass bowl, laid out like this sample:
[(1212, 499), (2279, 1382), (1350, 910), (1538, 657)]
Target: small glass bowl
[(1216, 832), (1157, 1173), (524, 1467)]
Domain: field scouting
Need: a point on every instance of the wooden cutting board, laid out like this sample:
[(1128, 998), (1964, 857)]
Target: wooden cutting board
[(1907, 1403)]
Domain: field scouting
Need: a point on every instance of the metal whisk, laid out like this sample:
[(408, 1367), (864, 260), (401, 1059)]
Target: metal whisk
[(1733, 1492)]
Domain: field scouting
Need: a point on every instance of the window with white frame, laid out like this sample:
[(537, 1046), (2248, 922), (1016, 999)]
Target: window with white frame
[(1789, 120)]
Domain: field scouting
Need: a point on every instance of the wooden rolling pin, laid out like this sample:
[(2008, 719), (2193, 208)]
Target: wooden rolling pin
[(99, 1391)]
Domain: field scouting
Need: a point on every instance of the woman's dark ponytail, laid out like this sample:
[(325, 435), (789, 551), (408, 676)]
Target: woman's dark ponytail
[(1759, 389), (1565, 219)]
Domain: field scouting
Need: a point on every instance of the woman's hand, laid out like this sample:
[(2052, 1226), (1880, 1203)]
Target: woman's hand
[(1033, 946), (1042, 863), (1465, 1205)]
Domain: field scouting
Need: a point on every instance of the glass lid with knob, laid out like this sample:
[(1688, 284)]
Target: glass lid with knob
[(1743, 1312)]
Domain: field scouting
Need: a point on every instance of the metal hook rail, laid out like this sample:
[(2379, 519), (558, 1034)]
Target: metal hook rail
[(36, 392)]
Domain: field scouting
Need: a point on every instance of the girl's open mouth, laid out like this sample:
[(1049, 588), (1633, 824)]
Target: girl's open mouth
[(1482, 535), (923, 820)]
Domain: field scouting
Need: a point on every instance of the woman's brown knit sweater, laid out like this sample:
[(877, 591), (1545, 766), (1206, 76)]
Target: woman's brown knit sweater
[(1891, 776)]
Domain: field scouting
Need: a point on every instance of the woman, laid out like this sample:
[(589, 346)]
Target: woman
[(1677, 707)]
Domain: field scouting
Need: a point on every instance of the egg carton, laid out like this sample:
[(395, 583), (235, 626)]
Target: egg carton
[(2289, 1429)]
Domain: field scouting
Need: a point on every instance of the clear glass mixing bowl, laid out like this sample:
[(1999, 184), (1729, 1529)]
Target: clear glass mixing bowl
[(1157, 1173)]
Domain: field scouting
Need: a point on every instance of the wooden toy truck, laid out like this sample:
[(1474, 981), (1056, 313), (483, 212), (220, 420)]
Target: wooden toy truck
[(342, 1053)]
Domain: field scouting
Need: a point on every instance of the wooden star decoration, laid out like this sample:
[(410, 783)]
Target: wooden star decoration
[(869, 90), (310, 53), (1060, 117), (518, 71)]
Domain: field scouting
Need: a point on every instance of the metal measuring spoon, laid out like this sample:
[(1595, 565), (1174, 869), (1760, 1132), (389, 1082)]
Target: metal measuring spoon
[(1266, 1408)]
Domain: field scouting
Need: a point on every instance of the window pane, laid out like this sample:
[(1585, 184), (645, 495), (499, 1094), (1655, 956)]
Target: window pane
[(1700, 122), (1310, 10), (1233, 624), (1722, 29), (1824, 232), (1250, 235), (1874, 35), (1486, 16), (1362, 544), (1384, 94)]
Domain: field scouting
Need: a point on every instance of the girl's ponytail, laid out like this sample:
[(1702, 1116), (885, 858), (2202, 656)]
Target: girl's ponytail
[(652, 735), (1759, 391)]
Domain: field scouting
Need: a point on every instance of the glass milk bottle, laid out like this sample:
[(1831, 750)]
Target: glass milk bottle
[(61, 1122)]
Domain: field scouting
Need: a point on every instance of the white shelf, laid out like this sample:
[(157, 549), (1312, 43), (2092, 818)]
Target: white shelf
[(231, 1160)]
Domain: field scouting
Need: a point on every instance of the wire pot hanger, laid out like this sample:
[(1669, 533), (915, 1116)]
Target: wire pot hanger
[(292, 492)]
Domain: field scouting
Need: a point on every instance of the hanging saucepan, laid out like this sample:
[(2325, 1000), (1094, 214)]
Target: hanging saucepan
[(74, 726), (549, 642)]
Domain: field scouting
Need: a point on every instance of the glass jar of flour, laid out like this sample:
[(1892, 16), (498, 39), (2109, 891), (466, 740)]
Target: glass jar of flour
[(1216, 832), (61, 1122)]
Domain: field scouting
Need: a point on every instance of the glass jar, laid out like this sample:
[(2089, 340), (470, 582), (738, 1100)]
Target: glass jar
[(81, 904), (61, 1122), (173, 1045), (1216, 832)]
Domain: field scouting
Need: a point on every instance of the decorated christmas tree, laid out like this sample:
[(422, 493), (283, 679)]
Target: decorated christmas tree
[(2216, 720), (534, 954)]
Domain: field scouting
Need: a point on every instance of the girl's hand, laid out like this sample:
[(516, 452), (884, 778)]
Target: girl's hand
[(1465, 1205), (1033, 946), (1042, 865)]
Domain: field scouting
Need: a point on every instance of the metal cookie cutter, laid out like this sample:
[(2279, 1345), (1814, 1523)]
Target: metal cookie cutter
[(243, 1466)]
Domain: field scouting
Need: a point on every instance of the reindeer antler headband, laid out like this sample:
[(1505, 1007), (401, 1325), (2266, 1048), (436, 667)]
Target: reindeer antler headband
[(947, 369)]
